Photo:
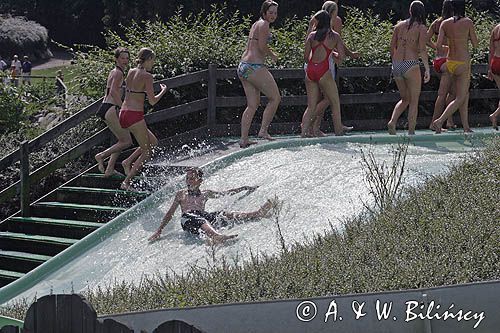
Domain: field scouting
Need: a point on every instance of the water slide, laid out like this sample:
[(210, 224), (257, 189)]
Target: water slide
[(320, 182)]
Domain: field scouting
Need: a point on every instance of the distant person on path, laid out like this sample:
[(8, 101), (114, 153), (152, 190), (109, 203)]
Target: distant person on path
[(336, 24), (194, 217), (61, 90), (3, 71), (446, 90), (494, 69), (15, 67), (457, 30), (318, 47), (139, 85), (408, 44), (26, 70), (256, 78), (109, 112)]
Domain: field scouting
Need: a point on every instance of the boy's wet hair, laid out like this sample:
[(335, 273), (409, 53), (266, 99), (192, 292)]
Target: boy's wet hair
[(197, 171)]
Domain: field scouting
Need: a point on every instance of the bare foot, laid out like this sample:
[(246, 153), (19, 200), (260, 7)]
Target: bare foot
[(265, 135), (246, 144), (126, 168), (411, 132), (265, 210), (437, 126), (125, 185), (100, 163), (468, 130), (451, 126), (391, 128), (347, 128), (319, 134), (493, 120)]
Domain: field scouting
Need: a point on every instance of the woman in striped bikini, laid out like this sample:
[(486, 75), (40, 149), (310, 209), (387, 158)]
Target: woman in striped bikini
[(494, 70), (407, 45), (256, 78), (457, 30)]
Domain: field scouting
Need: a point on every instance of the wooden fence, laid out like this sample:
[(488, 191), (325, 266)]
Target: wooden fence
[(211, 128), (73, 313)]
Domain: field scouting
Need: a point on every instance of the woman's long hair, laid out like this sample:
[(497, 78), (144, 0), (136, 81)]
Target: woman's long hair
[(447, 10), (458, 9), (417, 13), (323, 26), (330, 7)]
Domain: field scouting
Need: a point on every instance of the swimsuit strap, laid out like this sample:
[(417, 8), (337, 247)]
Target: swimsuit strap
[(135, 92), (120, 69)]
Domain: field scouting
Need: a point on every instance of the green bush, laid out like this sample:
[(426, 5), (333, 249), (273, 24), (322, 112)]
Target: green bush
[(11, 109)]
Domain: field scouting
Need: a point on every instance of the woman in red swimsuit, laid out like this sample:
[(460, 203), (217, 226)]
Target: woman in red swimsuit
[(319, 45), (494, 70), (139, 84)]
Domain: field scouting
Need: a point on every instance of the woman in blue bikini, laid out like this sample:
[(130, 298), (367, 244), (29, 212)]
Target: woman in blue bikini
[(408, 44), (255, 77)]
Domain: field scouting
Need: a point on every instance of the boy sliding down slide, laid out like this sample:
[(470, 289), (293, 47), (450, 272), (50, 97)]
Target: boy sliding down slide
[(194, 217)]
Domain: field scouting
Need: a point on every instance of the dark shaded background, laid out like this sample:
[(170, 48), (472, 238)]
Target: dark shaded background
[(83, 21)]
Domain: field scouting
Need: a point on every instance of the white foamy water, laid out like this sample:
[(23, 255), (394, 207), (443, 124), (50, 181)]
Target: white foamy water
[(319, 185)]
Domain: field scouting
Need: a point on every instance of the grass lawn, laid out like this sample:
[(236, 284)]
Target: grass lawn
[(52, 72)]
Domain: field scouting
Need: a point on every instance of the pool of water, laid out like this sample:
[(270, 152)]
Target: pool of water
[(319, 185)]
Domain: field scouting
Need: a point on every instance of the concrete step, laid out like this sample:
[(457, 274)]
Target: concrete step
[(73, 211), (36, 244), (22, 262), (7, 277), (101, 196), (49, 226)]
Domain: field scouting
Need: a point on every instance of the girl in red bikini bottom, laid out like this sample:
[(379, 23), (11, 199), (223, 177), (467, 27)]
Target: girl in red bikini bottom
[(130, 117)]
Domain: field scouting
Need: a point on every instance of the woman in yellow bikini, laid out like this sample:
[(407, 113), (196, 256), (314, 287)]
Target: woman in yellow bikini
[(458, 30), (445, 93)]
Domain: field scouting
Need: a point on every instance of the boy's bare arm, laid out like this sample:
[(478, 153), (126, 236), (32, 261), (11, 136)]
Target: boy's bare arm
[(216, 194), (168, 216)]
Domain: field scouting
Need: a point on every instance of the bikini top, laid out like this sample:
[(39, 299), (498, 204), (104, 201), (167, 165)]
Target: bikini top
[(269, 38), (135, 92), (327, 49)]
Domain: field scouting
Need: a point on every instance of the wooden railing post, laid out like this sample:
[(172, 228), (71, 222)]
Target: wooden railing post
[(25, 179), (212, 96)]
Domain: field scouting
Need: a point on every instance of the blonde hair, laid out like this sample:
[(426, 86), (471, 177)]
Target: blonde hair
[(330, 7), (144, 55)]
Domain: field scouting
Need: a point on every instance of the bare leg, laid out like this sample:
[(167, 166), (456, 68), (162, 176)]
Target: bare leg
[(127, 163), (414, 83), (400, 106), (253, 101), (320, 111), (329, 88), (312, 89), (462, 80), (493, 117), (464, 114), (124, 141), (441, 101), (143, 137), (264, 81), (216, 237), (263, 211)]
